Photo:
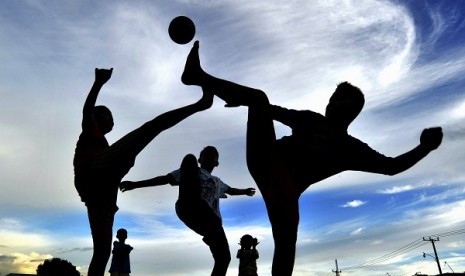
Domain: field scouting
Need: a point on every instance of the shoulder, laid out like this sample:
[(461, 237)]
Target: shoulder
[(357, 142), (218, 180), (176, 176), (205, 175), (92, 133), (362, 148)]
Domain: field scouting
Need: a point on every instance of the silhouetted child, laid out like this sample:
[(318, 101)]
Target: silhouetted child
[(120, 263), (198, 201), (99, 167), (248, 256), (318, 148)]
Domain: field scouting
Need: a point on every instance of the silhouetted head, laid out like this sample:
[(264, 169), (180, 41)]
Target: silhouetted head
[(104, 119), (248, 241), (121, 234), (345, 104), (208, 158)]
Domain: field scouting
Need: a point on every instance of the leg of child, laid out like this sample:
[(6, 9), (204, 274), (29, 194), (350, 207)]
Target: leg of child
[(101, 224), (120, 157), (265, 166)]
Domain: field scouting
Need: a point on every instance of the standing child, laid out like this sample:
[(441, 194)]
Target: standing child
[(120, 264), (248, 256)]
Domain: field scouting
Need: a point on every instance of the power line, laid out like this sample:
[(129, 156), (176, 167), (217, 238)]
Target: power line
[(409, 247), (413, 245), (450, 233)]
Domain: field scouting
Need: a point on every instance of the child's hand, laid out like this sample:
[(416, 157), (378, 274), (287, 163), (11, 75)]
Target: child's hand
[(102, 75), (431, 137), (255, 242), (250, 191), (126, 186)]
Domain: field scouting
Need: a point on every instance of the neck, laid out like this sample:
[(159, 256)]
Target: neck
[(207, 168), (338, 129)]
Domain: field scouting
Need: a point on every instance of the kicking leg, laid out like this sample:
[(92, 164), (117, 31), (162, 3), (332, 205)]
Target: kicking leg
[(260, 129), (263, 161), (232, 93), (122, 154)]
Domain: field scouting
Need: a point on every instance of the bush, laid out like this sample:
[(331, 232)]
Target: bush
[(57, 267)]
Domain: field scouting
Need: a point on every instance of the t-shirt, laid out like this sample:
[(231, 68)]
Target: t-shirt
[(95, 187), (313, 152), (212, 188), (247, 261), (120, 261), (99, 167)]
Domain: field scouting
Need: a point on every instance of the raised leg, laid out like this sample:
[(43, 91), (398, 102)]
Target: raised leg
[(121, 155), (263, 159), (232, 93)]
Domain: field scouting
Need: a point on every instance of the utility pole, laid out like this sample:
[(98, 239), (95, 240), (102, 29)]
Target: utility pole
[(432, 240), (337, 271)]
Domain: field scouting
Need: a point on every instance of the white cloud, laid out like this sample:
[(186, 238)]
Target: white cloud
[(356, 231), (296, 51), (396, 189), (21, 263), (354, 203)]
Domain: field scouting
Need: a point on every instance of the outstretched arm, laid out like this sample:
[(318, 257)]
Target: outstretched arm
[(101, 77), (430, 140), (293, 118), (234, 191), (156, 181)]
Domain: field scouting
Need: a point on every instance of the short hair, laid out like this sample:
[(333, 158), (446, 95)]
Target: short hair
[(354, 93), (211, 149), (101, 113), (100, 110), (121, 231)]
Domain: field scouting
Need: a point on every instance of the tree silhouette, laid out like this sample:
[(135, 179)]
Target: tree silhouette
[(57, 267)]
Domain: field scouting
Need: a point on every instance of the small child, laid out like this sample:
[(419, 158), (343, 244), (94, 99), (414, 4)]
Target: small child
[(120, 264), (248, 256)]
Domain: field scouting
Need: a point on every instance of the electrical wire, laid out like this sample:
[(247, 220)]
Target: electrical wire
[(407, 248)]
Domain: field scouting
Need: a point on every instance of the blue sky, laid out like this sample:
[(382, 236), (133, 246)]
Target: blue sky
[(407, 56)]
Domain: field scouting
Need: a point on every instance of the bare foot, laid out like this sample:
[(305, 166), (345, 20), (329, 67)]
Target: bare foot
[(192, 70)]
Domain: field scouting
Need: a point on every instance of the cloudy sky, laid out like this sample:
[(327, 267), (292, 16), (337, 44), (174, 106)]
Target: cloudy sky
[(407, 56)]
